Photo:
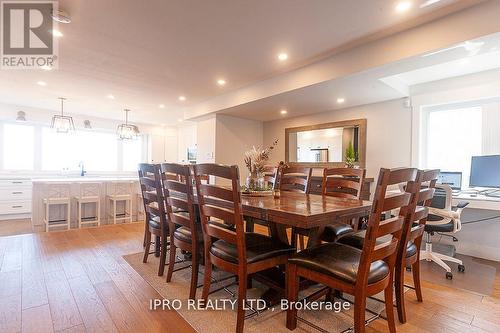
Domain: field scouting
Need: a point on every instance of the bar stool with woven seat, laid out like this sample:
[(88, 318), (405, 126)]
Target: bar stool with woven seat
[(119, 192), (341, 183), (58, 195), (361, 273), (226, 244), (185, 232), (90, 195), (154, 206)]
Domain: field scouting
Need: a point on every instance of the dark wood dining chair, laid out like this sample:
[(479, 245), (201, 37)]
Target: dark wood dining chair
[(342, 183), (361, 273), (150, 180), (296, 179), (270, 177), (184, 232), (226, 244), (409, 255)]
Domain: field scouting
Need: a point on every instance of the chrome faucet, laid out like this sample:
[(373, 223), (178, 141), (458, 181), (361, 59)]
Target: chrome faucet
[(82, 169)]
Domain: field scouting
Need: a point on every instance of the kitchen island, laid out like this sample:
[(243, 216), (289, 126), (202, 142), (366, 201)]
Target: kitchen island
[(72, 186)]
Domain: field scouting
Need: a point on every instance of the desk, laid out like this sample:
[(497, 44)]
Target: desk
[(479, 201)]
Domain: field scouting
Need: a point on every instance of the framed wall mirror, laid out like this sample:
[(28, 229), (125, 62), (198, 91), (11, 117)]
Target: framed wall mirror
[(324, 145)]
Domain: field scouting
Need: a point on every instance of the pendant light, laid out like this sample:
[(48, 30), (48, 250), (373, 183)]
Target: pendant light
[(62, 123), (127, 131)]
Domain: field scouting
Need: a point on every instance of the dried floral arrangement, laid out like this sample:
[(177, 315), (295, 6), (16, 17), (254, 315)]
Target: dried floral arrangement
[(256, 158)]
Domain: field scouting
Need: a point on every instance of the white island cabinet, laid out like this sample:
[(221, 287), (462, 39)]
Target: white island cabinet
[(42, 188)]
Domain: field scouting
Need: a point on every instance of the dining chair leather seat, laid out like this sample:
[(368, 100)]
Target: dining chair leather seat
[(411, 249), (356, 240), (258, 247), (184, 234), (154, 222), (339, 261), (334, 232)]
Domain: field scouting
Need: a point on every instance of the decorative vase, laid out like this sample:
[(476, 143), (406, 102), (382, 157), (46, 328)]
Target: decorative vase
[(255, 181)]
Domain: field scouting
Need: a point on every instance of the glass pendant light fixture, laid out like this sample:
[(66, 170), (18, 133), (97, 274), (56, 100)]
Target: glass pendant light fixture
[(127, 131), (62, 123)]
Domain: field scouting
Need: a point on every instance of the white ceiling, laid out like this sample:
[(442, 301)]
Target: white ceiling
[(147, 53), (379, 84)]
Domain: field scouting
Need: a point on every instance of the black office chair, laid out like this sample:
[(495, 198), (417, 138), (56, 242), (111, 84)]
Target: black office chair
[(443, 219)]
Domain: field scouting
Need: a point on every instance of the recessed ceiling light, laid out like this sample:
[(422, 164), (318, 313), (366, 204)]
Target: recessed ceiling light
[(111, 96), (403, 6), (282, 56), (340, 100), (161, 106), (182, 98), (46, 68), (283, 111), (42, 83), (221, 82), (180, 120), (57, 33)]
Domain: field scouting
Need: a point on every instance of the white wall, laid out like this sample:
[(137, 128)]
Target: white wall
[(234, 137), (388, 132)]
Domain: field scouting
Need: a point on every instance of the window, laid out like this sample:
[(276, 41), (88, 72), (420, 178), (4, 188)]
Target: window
[(132, 154), (453, 137), (98, 151), (18, 147)]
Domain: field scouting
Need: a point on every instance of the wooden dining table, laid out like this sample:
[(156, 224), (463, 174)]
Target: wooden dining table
[(310, 212)]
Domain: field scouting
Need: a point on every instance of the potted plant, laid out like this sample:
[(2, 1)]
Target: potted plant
[(350, 156)]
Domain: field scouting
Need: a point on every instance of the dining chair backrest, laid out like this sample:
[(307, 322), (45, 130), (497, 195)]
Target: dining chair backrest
[(404, 203), (271, 175), (343, 182), (426, 193), (220, 206), (179, 197), (295, 179), (152, 193)]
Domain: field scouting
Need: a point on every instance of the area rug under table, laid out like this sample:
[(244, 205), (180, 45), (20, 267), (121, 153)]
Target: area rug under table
[(225, 320)]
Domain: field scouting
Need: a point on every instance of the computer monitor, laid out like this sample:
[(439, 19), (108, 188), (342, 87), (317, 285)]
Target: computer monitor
[(454, 179), (485, 171)]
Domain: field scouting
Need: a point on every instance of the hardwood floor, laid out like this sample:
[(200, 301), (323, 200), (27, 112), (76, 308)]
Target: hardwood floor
[(77, 281)]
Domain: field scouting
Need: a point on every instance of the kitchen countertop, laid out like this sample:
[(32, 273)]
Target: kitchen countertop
[(82, 179)]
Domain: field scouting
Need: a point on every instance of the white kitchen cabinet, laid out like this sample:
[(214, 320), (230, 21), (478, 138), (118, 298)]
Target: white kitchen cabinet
[(15, 198), (162, 148)]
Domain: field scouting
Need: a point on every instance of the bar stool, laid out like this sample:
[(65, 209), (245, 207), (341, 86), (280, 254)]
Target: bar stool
[(119, 192), (90, 195), (58, 195)]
